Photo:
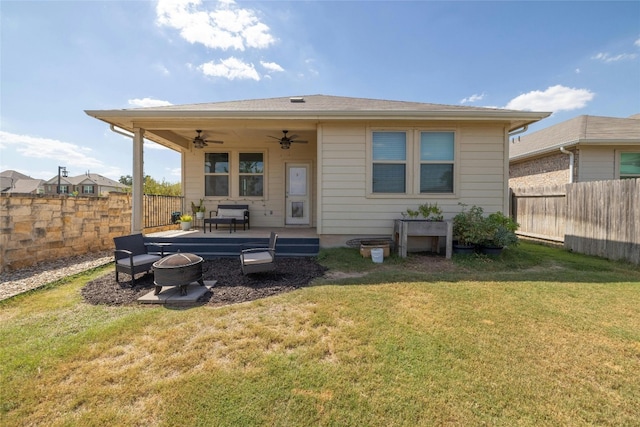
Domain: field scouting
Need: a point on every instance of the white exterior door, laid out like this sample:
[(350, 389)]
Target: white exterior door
[(297, 196)]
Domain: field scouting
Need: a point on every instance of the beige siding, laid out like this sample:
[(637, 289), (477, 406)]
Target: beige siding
[(346, 209), (265, 212)]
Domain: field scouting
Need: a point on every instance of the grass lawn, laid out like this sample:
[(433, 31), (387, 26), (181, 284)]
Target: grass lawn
[(537, 337)]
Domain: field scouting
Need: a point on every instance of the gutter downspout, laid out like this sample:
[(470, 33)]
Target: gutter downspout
[(523, 129), (121, 132), (571, 163)]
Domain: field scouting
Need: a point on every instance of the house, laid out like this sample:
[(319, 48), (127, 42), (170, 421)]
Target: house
[(585, 148), (89, 184), (345, 166), (15, 182)]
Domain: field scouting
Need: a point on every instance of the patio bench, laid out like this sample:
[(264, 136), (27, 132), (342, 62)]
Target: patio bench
[(229, 214)]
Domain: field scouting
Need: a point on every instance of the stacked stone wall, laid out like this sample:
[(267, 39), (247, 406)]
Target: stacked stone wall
[(37, 228)]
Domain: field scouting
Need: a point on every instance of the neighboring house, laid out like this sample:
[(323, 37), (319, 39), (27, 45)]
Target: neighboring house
[(89, 184), (363, 163), (585, 148), (16, 182)]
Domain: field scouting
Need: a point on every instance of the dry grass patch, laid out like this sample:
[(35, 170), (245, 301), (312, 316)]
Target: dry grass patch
[(481, 343)]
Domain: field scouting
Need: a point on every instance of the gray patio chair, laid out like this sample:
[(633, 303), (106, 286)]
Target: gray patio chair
[(258, 260), (132, 257)]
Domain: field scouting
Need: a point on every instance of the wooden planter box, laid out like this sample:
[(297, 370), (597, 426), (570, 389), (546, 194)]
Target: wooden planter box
[(403, 229)]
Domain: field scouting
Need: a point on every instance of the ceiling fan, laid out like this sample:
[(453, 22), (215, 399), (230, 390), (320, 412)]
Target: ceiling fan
[(285, 141), (200, 142)]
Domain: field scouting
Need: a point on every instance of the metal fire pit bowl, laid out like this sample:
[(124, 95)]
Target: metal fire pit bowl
[(177, 270)]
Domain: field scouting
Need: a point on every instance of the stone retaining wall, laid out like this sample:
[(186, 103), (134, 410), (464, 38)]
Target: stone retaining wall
[(36, 228)]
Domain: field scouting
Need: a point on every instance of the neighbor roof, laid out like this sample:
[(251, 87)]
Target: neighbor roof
[(579, 130), (319, 106)]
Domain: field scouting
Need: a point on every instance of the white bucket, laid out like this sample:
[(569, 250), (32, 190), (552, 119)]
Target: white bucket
[(377, 255)]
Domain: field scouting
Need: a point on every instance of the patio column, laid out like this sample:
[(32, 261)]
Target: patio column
[(137, 188)]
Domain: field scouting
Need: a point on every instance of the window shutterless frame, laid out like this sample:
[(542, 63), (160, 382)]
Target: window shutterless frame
[(428, 164)]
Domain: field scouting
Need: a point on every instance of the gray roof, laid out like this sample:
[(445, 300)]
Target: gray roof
[(26, 186), (579, 130), (316, 107), (324, 103), (88, 178)]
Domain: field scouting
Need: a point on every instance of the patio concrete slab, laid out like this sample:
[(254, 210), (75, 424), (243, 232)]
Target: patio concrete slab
[(171, 294)]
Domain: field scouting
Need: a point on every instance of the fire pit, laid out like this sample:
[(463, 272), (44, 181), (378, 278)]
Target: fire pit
[(177, 270)]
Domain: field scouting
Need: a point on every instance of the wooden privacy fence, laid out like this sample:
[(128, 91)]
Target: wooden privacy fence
[(597, 218)]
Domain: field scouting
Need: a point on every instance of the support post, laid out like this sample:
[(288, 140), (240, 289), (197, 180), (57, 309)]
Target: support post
[(137, 185)]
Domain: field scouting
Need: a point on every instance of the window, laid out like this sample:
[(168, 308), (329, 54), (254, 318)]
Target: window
[(216, 174), (629, 165), (413, 162), (251, 175), (87, 189), (389, 171), (436, 162), (234, 174)]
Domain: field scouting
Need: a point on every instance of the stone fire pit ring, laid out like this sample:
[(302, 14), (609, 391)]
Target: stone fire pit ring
[(179, 269)]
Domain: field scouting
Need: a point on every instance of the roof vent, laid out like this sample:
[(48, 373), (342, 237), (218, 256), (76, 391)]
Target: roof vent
[(296, 99)]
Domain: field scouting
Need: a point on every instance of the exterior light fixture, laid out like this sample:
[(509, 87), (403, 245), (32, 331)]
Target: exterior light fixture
[(62, 172)]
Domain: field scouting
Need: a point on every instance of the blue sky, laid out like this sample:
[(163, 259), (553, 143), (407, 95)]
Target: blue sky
[(59, 58)]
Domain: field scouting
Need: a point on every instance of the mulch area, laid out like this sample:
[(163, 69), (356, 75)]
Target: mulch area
[(232, 286)]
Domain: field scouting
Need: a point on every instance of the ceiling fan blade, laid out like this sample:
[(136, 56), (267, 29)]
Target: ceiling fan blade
[(299, 141), (278, 138), (292, 136), (213, 141)]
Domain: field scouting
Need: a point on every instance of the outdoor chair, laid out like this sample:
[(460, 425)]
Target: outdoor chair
[(132, 257), (258, 260)]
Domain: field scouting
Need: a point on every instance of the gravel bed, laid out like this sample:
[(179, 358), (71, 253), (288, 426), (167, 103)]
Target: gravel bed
[(16, 282)]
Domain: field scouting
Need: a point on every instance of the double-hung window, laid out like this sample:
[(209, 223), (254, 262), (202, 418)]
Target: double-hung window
[(413, 162), (234, 174), (389, 154), (437, 152), (629, 165), (251, 175), (216, 174)]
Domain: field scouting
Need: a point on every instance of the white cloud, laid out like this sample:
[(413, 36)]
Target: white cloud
[(637, 43), (271, 66), (68, 154), (605, 57), (554, 98), (148, 102), (227, 26), (472, 98), (230, 68)]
